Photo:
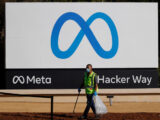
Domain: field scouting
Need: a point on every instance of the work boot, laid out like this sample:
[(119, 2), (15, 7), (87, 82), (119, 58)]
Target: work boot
[(83, 117)]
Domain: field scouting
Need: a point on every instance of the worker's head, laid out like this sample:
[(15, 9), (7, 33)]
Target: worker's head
[(89, 68)]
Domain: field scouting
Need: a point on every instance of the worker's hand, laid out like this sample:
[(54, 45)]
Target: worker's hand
[(79, 90), (95, 93)]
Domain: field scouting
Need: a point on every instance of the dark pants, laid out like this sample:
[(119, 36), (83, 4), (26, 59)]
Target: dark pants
[(90, 104)]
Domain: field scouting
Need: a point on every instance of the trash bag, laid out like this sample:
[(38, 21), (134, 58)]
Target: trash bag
[(100, 107)]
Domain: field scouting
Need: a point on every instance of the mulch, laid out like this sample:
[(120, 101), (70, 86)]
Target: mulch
[(71, 116)]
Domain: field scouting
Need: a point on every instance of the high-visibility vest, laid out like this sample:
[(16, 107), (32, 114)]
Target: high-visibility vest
[(89, 83)]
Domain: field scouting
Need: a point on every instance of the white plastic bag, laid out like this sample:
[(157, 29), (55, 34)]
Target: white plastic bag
[(99, 105)]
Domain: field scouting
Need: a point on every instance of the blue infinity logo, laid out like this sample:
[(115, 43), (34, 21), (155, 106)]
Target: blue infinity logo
[(85, 30)]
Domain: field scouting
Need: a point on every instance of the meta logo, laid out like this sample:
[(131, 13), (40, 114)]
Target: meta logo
[(85, 30), (28, 79)]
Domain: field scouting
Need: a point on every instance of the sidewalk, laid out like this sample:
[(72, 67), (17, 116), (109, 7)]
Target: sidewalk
[(118, 107)]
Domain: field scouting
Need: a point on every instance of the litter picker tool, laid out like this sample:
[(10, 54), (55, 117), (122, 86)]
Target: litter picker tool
[(76, 102)]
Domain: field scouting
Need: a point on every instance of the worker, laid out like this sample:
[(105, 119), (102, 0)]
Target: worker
[(91, 87)]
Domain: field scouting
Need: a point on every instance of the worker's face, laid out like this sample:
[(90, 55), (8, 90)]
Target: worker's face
[(88, 68)]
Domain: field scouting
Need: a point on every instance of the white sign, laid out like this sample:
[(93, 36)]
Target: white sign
[(71, 35)]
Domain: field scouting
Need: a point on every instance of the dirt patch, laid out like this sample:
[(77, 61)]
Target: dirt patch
[(71, 116)]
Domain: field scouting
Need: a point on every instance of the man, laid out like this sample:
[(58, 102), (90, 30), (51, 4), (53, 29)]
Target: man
[(91, 87)]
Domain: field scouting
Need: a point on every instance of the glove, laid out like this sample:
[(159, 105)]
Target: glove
[(95, 93), (79, 90)]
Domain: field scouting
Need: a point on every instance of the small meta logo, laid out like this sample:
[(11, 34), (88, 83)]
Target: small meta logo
[(33, 80), (85, 30), (18, 79)]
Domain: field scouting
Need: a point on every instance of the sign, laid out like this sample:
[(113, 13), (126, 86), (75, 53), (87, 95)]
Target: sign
[(48, 45), (72, 78), (71, 35)]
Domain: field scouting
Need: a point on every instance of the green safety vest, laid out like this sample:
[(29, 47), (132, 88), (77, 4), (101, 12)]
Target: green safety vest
[(89, 82)]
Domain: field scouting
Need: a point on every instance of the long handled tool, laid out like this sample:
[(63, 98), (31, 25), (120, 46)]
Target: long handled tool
[(76, 103)]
